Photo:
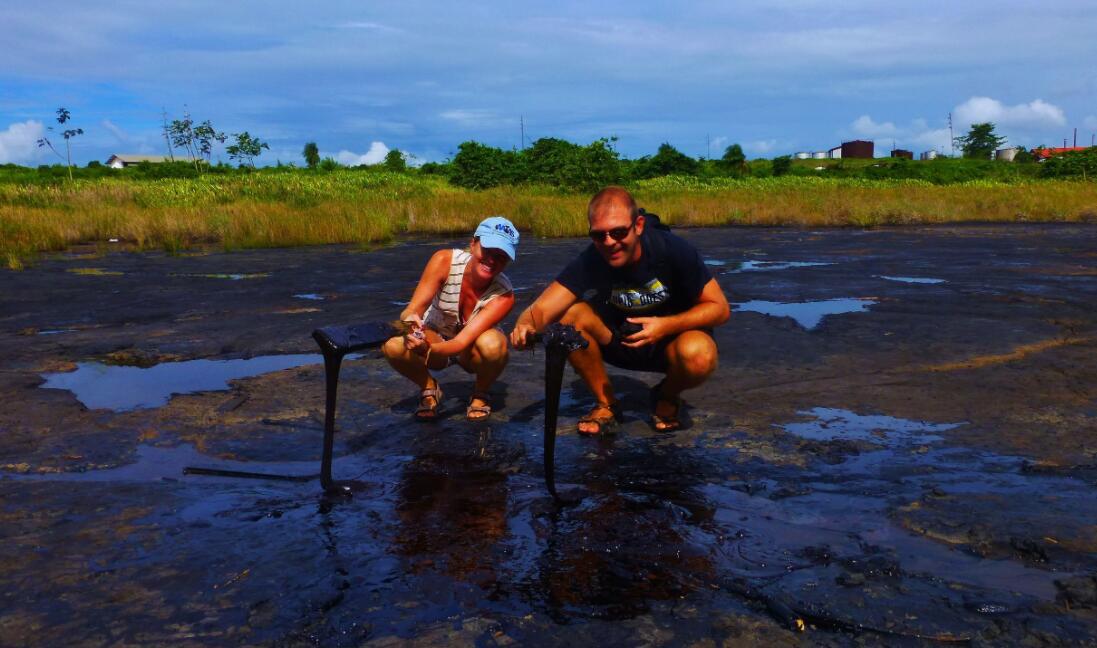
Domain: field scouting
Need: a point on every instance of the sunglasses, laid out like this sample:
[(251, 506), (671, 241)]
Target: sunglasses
[(617, 233)]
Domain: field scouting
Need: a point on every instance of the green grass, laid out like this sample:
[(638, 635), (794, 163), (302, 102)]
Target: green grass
[(290, 208)]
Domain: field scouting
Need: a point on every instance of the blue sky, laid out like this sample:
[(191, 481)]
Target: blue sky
[(362, 77)]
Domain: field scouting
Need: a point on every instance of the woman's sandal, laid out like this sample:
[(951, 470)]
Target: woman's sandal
[(478, 412), (427, 411), (604, 422), (667, 423)]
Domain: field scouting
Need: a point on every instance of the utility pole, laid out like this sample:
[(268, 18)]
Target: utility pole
[(1075, 138), (951, 138), (522, 122), (167, 140), (708, 146)]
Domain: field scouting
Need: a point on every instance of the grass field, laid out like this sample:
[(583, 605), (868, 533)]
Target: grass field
[(289, 209)]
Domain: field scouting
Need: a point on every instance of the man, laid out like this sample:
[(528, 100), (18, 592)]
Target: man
[(644, 299)]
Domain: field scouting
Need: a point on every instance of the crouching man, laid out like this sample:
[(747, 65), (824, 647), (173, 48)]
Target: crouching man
[(644, 299)]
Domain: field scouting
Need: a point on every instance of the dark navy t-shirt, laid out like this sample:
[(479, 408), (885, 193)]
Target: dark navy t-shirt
[(667, 280)]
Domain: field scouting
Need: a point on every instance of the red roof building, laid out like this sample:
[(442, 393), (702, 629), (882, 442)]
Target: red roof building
[(1045, 153)]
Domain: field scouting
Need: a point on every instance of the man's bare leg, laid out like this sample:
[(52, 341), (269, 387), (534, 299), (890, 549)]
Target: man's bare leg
[(691, 359), (588, 362)]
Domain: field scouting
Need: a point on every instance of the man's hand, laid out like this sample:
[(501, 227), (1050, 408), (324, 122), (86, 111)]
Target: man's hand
[(521, 335), (652, 329)]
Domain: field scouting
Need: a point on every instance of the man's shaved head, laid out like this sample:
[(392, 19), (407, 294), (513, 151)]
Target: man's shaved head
[(612, 197)]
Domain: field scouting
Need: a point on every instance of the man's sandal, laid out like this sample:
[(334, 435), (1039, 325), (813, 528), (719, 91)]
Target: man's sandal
[(427, 410), (667, 423), (602, 422), (478, 412)]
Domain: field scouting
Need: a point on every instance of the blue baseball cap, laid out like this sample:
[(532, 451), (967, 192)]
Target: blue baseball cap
[(498, 232)]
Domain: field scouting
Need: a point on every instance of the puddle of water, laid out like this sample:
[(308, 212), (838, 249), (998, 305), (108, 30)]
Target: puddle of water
[(913, 280), (231, 277), (156, 463), (312, 296), (55, 331), (764, 266), (122, 389), (807, 314), (831, 424)]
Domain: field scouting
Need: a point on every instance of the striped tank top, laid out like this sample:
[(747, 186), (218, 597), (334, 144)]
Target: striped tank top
[(444, 313)]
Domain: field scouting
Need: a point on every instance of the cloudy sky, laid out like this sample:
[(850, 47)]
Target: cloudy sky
[(362, 77)]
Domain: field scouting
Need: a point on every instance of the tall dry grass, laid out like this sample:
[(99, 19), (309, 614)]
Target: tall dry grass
[(351, 207)]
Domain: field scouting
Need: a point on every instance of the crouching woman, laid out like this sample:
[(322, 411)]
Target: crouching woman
[(453, 317)]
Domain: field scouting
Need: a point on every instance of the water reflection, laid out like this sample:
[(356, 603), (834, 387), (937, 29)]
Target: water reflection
[(807, 314)]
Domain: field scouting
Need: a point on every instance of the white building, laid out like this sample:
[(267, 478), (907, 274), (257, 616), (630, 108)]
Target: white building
[(802, 155), (819, 155), (123, 160), (835, 153), (927, 155)]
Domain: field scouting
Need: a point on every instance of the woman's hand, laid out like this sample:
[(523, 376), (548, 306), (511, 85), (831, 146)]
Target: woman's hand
[(416, 342)]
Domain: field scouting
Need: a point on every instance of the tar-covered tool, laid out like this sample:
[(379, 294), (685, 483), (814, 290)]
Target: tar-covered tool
[(335, 343), (559, 340)]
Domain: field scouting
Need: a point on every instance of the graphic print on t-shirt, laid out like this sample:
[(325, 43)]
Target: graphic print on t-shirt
[(637, 300)]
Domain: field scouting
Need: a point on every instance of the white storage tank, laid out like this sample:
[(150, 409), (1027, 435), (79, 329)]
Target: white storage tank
[(819, 155), (803, 155)]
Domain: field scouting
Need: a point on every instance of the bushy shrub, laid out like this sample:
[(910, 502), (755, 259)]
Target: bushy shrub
[(666, 161), (781, 165), (1072, 164)]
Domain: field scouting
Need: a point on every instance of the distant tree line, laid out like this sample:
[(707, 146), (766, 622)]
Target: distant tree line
[(557, 162)]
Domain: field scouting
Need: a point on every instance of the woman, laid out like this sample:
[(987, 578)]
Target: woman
[(452, 316)]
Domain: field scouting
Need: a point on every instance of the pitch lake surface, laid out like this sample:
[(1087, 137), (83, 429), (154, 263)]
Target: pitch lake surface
[(899, 448)]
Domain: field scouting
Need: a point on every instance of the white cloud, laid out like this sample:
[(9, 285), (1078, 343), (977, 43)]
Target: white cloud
[(376, 153), (866, 127), (1090, 122), (761, 146), (118, 133), (1037, 113), (19, 143), (473, 117), (371, 26), (932, 138)]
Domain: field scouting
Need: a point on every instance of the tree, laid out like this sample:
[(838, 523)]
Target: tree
[(204, 136), (980, 141), (734, 160), (181, 132), (666, 161), (246, 148), (478, 166), (63, 116), (781, 165), (395, 161), (312, 155)]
